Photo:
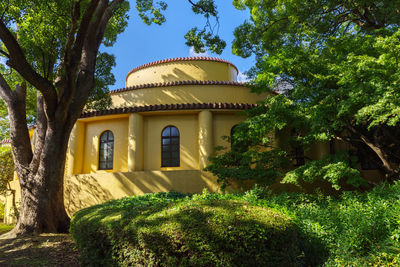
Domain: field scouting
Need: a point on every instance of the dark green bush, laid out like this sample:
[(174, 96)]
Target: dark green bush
[(203, 230), (354, 229), (357, 229)]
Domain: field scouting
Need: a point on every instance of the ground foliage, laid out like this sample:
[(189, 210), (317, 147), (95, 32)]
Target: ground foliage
[(6, 168), (336, 64), (169, 229), (355, 229)]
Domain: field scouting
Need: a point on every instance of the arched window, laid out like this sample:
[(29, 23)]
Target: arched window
[(106, 154), (170, 147)]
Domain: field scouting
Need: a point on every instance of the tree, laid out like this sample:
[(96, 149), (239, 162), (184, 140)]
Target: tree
[(51, 48), (336, 63)]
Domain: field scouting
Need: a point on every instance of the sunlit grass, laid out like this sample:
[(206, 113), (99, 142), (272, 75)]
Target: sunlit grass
[(4, 228)]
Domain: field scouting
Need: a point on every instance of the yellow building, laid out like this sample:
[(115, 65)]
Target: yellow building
[(159, 133)]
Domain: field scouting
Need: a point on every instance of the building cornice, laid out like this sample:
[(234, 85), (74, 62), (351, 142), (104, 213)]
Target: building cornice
[(178, 83), (171, 107)]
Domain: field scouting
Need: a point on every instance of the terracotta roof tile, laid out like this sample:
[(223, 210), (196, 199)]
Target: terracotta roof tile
[(177, 83), (5, 141), (187, 106), (180, 59)]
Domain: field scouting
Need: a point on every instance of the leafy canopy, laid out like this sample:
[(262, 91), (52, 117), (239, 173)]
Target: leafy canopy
[(6, 167), (336, 64)]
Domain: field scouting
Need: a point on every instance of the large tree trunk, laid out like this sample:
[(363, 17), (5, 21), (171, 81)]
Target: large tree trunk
[(42, 203)]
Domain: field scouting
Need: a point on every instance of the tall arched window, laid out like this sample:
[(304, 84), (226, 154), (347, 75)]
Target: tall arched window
[(170, 147), (106, 154)]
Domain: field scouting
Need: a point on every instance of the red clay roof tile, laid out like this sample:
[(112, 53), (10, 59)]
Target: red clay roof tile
[(177, 83), (187, 106)]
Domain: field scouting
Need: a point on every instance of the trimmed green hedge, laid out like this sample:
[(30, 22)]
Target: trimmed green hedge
[(355, 229), (173, 230)]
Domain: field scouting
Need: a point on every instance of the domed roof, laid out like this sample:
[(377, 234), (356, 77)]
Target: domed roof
[(183, 69), (181, 81)]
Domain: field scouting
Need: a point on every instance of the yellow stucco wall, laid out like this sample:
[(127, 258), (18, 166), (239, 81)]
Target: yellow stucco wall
[(183, 71), (119, 127), (88, 189), (222, 125), (15, 192), (188, 129), (83, 153), (182, 94)]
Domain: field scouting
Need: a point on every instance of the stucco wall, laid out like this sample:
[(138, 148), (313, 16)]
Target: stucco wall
[(222, 125), (188, 129), (83, 152), (183, 71), (89, 189), (119, 127), (12, 196), (182, 94)]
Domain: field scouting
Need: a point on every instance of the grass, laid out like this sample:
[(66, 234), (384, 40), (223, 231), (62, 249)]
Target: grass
[(42, 250), (4, 228)]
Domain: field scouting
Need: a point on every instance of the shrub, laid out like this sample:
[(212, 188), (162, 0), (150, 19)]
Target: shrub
[(6, 167), (173, 230), (354, 229), (358, 229)]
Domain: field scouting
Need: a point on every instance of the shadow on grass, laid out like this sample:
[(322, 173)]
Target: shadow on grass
[(43, 250)]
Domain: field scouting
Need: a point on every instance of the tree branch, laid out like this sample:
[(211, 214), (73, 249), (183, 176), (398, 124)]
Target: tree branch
[(5, 91), (199, 6), (89, 53), (4, 53), (19, 63), (41, 128), (19, 133)]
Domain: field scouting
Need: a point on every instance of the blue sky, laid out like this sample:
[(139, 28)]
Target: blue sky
[(140, 44)]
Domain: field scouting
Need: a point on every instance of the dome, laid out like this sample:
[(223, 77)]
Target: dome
[(184, 80), (183, 69)]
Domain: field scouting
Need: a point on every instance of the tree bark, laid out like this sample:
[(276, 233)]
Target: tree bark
[(377, 140), (42, 202)]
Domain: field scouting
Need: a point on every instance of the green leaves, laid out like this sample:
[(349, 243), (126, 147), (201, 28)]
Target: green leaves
[(337, 66), (333, 169), (6, 167), (100, 99), (151, 12), (201, 39)]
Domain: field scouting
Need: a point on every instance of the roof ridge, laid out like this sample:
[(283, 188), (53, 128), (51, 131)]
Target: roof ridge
[(167, 60)]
